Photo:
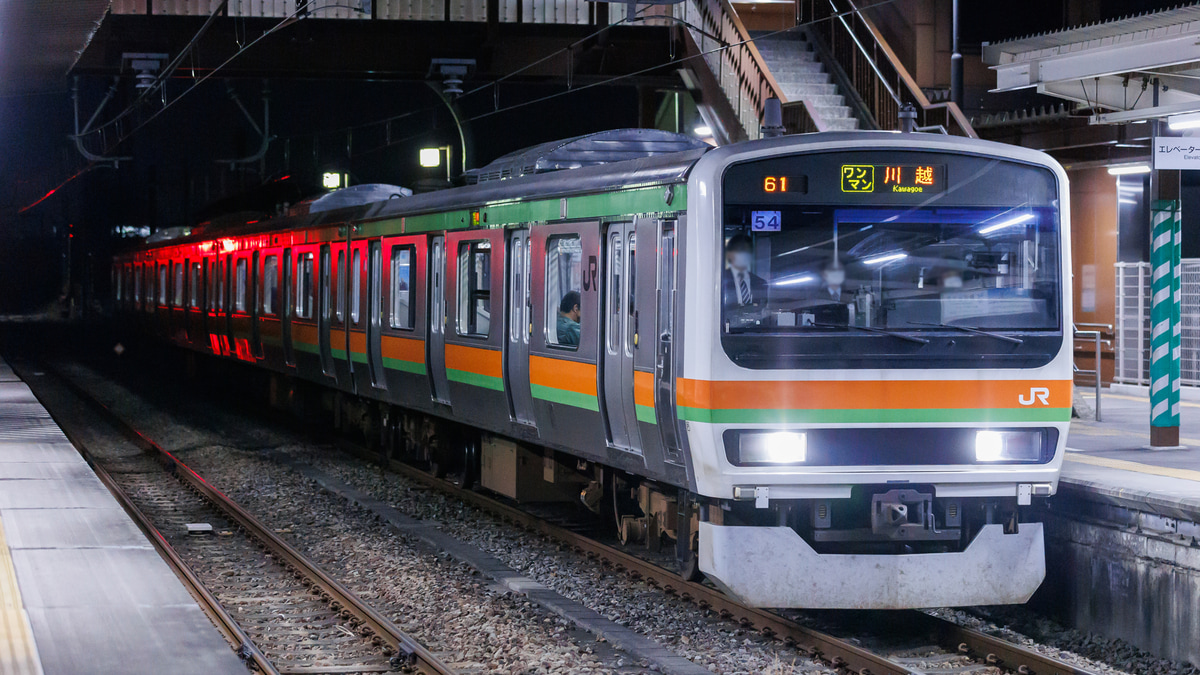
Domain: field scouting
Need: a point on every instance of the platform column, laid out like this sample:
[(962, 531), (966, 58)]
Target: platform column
[(1165, 244)]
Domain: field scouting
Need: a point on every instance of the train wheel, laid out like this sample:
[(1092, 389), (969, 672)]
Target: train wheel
[(624, 507), (470, 461), (687, 542)]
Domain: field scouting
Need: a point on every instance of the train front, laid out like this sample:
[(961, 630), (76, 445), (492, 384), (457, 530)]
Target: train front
[(876, 377)]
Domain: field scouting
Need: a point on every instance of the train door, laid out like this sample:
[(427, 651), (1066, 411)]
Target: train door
[(437, 321), (375, 310), (520, 318), (325, 313), (620, 335), (285, 313), (664, 371), (255, 332)]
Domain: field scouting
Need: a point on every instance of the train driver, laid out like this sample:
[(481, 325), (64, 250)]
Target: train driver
[(568, 319), (742, 291)]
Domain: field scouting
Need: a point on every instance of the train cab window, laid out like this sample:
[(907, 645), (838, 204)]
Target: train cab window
[(195, 287), (564, 274), (304, 286), (402, 288), (268, 302), (356, 288), (177, 294), (474, 288), (240, 295), (162, 284), (341, 287)]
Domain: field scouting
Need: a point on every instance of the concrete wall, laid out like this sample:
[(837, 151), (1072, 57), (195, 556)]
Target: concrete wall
[(1141, 588)]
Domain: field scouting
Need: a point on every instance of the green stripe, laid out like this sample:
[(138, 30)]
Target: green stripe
[(467, 377), (645, 413), (868, 416), (358, 357), (565, 397), (405, 366), (338, 353), (271, 340), (305, 347)]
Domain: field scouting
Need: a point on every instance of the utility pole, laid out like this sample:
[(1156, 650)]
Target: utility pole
[(1165, 294), (956, 64)]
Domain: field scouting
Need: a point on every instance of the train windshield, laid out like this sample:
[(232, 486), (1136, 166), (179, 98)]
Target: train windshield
[(888, 278)]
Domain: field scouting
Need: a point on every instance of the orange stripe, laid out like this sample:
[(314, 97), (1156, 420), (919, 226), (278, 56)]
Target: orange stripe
[(270, 328), (562, 374), (358, 342), (643, 388), (403, 349), (846, 395), (305, 333), (475, 360)]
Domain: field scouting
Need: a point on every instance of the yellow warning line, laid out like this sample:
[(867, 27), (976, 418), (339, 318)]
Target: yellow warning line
[(1143, 399), (1185, 474), (18, 653)]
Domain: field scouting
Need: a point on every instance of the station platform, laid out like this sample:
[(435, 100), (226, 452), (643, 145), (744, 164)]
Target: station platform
[(1110, 458), (81, 589)]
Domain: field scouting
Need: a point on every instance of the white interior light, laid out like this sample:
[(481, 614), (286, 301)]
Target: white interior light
[(887, 257), (1015, 220), (703, 130), (1185, 121), (430, 157), (798, 279), (1126, 169), (773, 447)]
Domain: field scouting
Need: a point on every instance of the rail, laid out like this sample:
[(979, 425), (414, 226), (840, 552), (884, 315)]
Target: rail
[(1093, 332), (878, 82), (411, 655), (740, 70)]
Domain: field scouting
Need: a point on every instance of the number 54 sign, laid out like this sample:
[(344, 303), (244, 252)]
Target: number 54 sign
[(764, 221)]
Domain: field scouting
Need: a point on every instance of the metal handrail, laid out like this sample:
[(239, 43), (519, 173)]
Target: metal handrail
[(1095, 334)]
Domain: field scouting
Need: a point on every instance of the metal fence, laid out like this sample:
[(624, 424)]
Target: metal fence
[(1133, 323), (511, 11)]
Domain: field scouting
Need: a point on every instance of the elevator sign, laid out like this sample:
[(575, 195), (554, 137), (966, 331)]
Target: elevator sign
[(1177, 153)]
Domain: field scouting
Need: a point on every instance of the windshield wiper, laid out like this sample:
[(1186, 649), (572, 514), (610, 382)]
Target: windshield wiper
[(902, 336), (971, 329)]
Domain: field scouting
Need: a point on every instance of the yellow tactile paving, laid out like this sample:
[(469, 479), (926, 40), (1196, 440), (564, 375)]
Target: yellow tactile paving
[(1185, 474), (18, 653)]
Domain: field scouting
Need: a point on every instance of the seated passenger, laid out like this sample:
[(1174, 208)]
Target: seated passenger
[(741, 289), (568, 319)]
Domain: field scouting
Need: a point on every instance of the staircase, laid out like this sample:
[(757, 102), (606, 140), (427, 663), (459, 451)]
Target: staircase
[(802, 77)]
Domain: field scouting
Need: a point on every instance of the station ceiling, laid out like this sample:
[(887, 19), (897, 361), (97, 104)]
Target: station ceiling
[(40, 40)]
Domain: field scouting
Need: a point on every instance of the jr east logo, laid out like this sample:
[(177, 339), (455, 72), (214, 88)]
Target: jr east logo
[(1038, 394)]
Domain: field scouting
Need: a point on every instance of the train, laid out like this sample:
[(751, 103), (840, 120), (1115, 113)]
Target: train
[(829, 370)]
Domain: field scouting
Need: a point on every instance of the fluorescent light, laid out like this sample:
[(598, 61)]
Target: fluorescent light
[(798, 279), (1186, 121), (1122, 200), (1126, 169), (703, 130), (887, 257), (1016, 220), (430, 157)]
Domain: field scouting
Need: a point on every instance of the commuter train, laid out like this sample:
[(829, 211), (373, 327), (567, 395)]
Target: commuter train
[(832, 369)]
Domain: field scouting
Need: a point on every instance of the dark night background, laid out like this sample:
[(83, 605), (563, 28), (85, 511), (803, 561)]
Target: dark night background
[(174, 179)]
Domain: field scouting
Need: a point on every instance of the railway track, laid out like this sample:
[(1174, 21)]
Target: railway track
[(284, 614), (986, 650)]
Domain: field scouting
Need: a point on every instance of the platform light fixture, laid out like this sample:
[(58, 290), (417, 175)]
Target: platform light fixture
[(331, 180), (430, 157), (1185, 121), (703, 131), (1128, 169)]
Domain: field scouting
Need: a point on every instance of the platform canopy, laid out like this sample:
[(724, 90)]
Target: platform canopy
[(1110, 67), (41, 39)]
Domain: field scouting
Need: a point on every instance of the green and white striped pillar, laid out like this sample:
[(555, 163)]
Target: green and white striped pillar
[(1165, 244)]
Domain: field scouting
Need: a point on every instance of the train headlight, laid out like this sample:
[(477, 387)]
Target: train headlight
[(1008, 446), (772, 447)]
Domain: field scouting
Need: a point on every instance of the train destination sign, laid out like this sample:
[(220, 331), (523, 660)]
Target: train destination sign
[(906, 178)]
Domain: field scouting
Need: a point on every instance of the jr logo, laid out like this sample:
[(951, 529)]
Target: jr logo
[(1035, 394)]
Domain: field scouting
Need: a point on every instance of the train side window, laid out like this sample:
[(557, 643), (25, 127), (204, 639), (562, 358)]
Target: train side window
[(214, 285), (564, 274), (474, 288), (196, 287), (304, 286), (613, 293), (356, 287), (162, 284), (270, 286), (631, 324), (341, 286), (403, 309), (240, 286), (137, 284), (178, 281)]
